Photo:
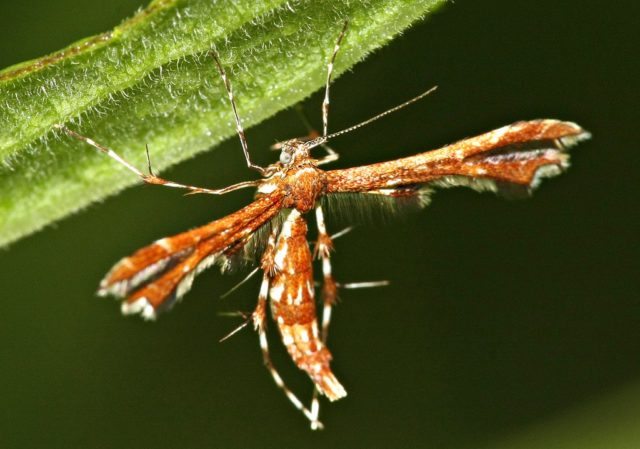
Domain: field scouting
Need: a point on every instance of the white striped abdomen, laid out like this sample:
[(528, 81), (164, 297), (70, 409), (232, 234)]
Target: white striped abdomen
[(294, 309)]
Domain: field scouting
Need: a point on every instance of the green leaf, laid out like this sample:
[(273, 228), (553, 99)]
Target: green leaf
[(150, 81)]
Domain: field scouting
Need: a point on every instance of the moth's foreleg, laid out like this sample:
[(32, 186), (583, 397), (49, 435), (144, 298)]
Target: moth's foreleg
[(332, 60), (151, 178), (239, 128)]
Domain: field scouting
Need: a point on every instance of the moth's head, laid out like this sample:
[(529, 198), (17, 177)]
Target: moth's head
[(293, 152)]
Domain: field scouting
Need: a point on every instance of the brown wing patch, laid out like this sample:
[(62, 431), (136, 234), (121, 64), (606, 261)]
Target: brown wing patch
[(514, 154), (147, 262), (169, 265)]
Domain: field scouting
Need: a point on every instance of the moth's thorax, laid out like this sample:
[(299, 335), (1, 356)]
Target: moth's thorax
[(297, 176)]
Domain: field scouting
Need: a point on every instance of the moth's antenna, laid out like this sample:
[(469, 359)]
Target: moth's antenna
[(374, 118)]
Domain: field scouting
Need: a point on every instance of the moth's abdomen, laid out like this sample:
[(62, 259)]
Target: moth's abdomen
[(293, 306)]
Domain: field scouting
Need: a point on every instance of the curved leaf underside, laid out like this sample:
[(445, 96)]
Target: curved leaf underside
[(150, 81)]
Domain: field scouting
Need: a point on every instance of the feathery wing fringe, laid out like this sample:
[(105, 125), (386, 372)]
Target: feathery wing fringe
[(163, 271)]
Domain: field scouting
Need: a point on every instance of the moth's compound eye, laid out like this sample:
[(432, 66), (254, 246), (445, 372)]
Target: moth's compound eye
[(285, 157)]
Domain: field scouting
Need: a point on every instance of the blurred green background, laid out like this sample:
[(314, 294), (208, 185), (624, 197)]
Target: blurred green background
[(506, 324)]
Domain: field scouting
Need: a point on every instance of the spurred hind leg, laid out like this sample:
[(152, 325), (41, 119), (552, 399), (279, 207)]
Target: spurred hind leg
[(259, 321)]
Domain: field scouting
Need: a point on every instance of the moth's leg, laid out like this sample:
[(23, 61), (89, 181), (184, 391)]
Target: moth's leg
[(239, 284), (323, 248), (239, 129), (364, 284), (331, 154), (151, 178), (259, 322), (324, 245), (325, 102), (330, 287)]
